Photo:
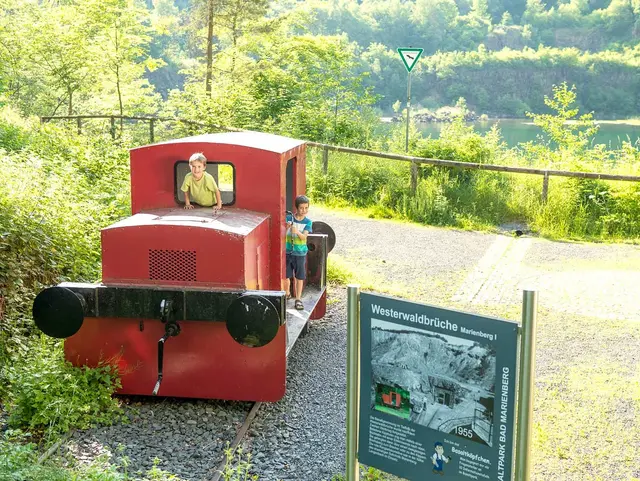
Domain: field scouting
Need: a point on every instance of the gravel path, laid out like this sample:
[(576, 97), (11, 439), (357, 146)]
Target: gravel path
[(301, 437)]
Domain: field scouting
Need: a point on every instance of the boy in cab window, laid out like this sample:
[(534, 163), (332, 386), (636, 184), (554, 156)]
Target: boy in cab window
[(199, 186)]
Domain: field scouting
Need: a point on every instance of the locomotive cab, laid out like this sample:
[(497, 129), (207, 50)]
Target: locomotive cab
[(191, 303)]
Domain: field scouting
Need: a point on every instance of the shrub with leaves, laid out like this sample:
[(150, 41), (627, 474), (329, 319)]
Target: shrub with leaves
[(59, 190), (48, 394)]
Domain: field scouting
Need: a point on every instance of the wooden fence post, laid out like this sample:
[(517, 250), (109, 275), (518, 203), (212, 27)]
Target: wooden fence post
[(151, 136), (414, 177), (113, 128), (325, 159), (79, 121), (545, 187)]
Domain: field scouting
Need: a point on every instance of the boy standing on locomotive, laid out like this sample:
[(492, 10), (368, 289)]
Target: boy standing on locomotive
[(199, 186), (298, 228)]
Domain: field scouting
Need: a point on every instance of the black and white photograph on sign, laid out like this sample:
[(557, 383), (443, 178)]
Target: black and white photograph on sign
[(450, 381)]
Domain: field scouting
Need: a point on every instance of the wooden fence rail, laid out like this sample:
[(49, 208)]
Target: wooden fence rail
[(151, 120), (545, 173)]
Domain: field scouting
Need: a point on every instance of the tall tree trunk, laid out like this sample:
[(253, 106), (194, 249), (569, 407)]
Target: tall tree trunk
[(234, 32), (119, 98), (70, 94), (121, 107), (209, 48)]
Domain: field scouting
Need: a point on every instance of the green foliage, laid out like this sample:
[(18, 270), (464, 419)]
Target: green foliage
[(576, 208), (371, 474), (19, 462), (237, 466), (564, 127), (91, 56), (338, 271), (47, 394), (295, 85), (59, 190)]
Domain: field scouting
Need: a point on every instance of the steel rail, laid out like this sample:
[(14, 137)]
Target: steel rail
[(237, 440)]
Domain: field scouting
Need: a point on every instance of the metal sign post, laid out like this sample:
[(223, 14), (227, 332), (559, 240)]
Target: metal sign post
[(353, 380), (526, 384), (406, 137), (410, 58)]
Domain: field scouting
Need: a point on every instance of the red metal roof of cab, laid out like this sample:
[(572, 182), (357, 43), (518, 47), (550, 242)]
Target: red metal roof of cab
[(254, 140)]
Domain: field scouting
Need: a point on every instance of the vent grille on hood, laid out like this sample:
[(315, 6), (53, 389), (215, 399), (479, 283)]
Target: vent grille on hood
[(170, 265)]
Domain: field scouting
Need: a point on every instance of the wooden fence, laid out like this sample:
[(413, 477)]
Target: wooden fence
[(152, 122), (326, 148), (545, 173)]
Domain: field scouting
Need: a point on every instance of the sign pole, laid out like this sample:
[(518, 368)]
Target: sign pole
[(406, 142), (526, 385), (353, 380), (410, 57)]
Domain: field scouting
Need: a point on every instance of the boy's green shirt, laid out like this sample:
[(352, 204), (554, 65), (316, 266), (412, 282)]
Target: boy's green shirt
[(203, 191), (295, 245)]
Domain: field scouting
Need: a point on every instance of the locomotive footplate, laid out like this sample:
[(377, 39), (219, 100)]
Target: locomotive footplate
[(298, 320)]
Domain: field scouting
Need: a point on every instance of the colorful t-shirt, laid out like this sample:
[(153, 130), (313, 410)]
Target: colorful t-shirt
[(201, 191), (295, 245)]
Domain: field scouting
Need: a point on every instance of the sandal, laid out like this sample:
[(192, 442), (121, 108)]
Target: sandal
[(299, 305)]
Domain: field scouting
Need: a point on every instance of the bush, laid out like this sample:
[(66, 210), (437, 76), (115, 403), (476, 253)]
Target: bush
[(49, 395), (59, 190)]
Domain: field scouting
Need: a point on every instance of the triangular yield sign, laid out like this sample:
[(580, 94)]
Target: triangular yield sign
[(410, 56)]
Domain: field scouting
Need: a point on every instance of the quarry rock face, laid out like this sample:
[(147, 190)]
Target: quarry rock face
[(423, 363)]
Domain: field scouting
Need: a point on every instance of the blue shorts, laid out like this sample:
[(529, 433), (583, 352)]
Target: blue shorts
[(296, 266)]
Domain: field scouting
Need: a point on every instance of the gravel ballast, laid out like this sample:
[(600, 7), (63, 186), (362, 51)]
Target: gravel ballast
[(187, 436)]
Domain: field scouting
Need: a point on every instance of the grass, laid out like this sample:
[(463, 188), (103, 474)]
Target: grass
[(588, 422), (342, 272), (587, 402), (19, 461), (582, 209)]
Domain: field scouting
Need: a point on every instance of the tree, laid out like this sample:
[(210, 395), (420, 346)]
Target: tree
[(226, 22), (59, 49), (121, 48), (568, 130)]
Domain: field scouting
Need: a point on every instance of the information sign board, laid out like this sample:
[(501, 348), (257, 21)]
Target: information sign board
[(437, 391)]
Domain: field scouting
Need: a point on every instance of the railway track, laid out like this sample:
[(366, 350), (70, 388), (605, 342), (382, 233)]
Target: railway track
[(242, 431)]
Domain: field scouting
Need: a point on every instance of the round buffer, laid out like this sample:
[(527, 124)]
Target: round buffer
[(58, 312), (252, 320), (320, 227)]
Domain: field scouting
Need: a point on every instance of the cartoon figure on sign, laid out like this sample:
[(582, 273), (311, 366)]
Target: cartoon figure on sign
[(439, 459)]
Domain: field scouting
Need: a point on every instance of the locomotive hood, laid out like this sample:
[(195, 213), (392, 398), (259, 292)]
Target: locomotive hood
[(173, 246), (232, 221)]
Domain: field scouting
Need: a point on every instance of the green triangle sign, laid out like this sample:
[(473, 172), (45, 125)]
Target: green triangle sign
[(410, 56)]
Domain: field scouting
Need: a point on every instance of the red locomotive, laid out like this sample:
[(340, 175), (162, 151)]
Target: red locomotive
[(191, 303), (392, 399)]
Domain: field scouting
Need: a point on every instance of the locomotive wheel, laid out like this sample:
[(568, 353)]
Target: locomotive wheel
[(252, 320), (320, 227), (58, 312)]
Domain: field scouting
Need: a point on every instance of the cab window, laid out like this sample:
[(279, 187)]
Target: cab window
[(224, 173)]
